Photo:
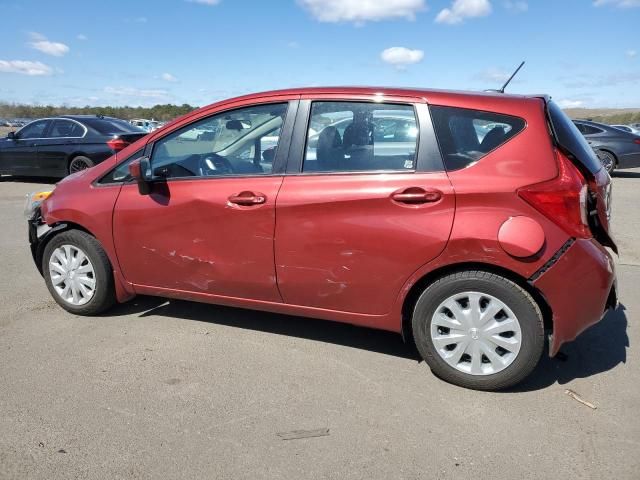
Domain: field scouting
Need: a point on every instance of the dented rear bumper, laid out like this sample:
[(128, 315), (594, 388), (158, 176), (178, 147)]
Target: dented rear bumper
[(579, 286)]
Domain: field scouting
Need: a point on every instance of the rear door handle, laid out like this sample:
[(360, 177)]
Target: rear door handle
[(416, 196), (247, 198)]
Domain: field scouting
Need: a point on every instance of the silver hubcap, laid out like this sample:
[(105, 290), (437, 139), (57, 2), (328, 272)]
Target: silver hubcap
[(476, 333), (72, 275)]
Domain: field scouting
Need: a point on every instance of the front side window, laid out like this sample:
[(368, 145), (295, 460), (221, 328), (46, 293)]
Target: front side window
[(589, 130), (359, 136), (237, 142), (66, 129), (465, 135), (34, 130)]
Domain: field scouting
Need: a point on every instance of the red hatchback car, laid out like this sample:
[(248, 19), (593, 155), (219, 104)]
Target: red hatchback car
[(470, 222)]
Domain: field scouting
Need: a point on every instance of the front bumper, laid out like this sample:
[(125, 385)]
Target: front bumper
[(39, 233), (580, 287)]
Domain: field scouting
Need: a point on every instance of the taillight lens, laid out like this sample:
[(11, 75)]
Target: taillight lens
[(563, 199), (636, 141), (117, 144)]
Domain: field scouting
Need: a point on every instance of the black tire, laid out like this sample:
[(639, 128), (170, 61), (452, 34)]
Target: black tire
[(608, 160), (513, 296), (104, 294), (79, 163)]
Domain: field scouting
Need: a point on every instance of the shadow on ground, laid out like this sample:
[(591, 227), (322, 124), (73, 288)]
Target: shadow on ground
[(20, 179), (597, 350), (626, 174)]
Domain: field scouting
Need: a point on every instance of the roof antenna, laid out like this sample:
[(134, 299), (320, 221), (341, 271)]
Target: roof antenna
[(508, 81)]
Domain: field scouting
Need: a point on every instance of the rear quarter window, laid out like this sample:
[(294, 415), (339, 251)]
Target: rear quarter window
[(466, 135)]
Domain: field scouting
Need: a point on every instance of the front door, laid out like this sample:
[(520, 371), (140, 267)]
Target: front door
[(20, 154), (368, 206), (208, 224)]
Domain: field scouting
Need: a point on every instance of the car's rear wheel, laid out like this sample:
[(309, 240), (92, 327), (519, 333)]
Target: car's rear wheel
[(478, 330), (78, 273), (608, 160), (79, 163)]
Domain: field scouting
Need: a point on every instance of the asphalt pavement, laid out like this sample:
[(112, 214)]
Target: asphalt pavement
[(172, 389)]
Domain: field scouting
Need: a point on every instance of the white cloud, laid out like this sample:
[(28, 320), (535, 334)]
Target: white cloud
[(25, 67), (82, 36), (400, 57), (517, 6), (136, 92), (40, 42), (205, 2), (617, 3), (631, 53), (461, 9), (564, 103), (168, 77), (361, 11), (494, 75)]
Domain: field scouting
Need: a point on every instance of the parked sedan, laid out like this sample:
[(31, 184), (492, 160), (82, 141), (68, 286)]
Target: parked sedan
[(56, 147), (469, 247), (615, 148)]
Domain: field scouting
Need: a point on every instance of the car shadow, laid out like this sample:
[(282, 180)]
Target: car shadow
[(22, 179), (623, 174), (599, 349), (343, 334)]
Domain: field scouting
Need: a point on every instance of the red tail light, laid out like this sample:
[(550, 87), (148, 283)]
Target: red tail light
[(563, 199), (117, 144), (636, 141)]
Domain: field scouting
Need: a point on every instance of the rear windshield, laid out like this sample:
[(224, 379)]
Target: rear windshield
[(466, 135), (109, 126), (570, 140)]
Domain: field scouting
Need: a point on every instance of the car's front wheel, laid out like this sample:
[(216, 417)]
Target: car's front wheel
[(78, 273), (478, 330)]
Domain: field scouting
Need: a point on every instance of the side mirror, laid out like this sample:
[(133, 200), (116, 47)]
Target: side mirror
[(11, 135), (140, 171)]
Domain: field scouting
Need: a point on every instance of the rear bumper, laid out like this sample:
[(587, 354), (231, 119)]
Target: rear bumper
[(579, 287)]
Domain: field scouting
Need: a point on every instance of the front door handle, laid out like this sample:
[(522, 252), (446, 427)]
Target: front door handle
[(416, 196), (247, 198)]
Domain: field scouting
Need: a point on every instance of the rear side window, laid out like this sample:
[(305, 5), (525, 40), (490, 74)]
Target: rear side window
[(570, 140), (465, 135), (359, 136)]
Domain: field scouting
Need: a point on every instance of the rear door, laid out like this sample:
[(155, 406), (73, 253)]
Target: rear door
[(62, 139), (363, 205)]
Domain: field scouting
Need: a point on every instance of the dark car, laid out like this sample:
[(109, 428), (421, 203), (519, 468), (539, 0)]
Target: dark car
[(468, 222), (615, 148), (56, 147)]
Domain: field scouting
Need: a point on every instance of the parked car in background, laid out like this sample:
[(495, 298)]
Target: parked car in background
[(146, 125), (472, 247), (55, 147), (627, 128), (615, 148)]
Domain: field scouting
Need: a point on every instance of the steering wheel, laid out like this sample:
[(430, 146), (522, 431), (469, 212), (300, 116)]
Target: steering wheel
[(214, 164)]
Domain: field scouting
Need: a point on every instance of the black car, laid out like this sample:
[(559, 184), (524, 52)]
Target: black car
[(56, 147), (615, 148)]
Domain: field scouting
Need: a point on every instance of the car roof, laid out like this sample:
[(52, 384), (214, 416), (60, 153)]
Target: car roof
[(386, 91), (87, 117)]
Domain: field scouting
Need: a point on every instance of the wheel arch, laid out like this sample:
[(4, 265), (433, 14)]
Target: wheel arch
[(423, 282), (56, 228)]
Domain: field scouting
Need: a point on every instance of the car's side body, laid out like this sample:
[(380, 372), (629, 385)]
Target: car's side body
[(335, 245)]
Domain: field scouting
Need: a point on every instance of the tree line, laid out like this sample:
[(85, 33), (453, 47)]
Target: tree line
[(157, 112)]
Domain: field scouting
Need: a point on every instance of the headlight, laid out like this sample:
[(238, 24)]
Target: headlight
[(33, 201)]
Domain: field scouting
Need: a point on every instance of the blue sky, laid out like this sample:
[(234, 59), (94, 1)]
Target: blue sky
[(143, 52)]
